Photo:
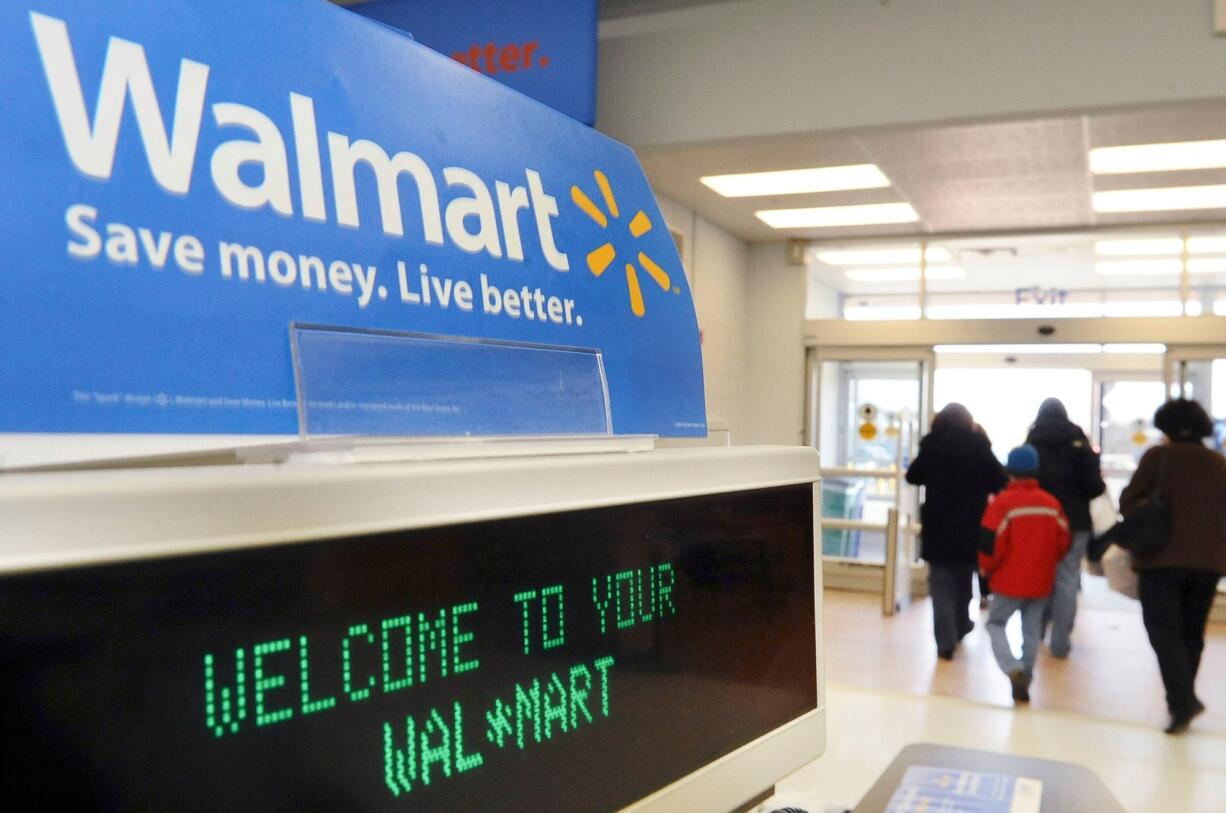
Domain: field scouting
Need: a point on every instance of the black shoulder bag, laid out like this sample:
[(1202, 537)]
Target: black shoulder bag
[(1147, 529)]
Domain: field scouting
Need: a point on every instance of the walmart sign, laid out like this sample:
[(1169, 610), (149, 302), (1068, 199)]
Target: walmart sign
[(186, 178)]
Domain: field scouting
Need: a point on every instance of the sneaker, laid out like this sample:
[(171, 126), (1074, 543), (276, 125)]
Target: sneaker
[(1021, 685)]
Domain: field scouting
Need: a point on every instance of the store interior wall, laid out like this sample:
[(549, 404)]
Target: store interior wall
[(716, 265), (751, 303), (775, 387), (767, 67)]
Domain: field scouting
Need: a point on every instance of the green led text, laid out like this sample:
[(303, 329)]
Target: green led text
[(549, 606), (363, 659), (636, 596)]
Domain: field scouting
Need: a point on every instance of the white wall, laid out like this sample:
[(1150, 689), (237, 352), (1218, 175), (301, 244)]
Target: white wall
[(763, 67), (776, 354), (716, 265), (751, 308)]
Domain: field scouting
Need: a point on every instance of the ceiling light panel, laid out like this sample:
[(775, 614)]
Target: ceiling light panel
[(1159, 246), (1165, 199), (829, 216), (882, 256), (1166, 265), (1148, 247), (1207, 245), (797, 181), (1178, 155), (904, 273), (1135, 348), (1167, 307), (876, 313), (1207, 265), (1017, 349)]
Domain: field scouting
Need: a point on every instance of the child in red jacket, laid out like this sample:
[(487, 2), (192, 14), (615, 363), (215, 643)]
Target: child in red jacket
[(1025, 534)]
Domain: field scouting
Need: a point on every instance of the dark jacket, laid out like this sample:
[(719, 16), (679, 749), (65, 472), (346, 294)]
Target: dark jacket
[(1068, 468), (1196, 488), (958, 471)]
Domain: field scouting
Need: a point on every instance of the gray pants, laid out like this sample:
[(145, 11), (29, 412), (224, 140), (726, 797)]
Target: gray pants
[(949, 585), (1063, 609), (1003, 608)]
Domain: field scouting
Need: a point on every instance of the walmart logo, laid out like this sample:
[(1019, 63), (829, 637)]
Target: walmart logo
[(600, 258)]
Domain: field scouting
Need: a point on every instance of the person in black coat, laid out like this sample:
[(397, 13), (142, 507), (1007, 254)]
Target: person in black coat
[(1068, 469), (958, 471)]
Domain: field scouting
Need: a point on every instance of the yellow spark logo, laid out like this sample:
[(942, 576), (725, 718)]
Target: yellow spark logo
[(599, 259)]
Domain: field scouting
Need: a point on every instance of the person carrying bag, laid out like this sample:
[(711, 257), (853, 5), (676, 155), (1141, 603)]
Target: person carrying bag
[(1180, 486)]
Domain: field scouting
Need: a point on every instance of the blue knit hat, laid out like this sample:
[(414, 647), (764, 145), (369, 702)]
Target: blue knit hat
[(1023, 461)]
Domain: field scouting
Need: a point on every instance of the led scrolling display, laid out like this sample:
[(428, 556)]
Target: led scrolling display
[(577, 660)]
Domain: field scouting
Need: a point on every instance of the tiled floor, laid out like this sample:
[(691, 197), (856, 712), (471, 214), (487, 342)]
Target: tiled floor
[(1111, 673), (1146, 770), (1102, 707)]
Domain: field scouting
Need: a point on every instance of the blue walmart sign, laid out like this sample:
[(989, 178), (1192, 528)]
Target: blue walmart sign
[(186, 178)]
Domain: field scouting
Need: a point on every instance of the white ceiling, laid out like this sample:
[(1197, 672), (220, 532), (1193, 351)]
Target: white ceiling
[(1029, 174)]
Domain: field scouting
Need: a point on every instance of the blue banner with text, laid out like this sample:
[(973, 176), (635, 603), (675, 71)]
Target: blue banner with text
[(544, 48), (185, 178)]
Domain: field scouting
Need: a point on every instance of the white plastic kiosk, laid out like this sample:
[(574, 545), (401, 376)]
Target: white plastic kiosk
[(571, 632), (527, 606)]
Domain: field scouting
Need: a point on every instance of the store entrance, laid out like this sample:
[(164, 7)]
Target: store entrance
[(870, 406)]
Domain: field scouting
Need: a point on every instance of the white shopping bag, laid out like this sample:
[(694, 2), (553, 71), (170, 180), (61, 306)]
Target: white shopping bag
[(1117, 566), (1102, 513)]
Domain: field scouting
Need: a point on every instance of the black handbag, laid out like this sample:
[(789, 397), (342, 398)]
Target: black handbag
[(1147, 528)]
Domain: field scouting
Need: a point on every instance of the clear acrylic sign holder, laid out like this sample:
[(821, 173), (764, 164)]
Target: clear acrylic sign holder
[(366, 395)]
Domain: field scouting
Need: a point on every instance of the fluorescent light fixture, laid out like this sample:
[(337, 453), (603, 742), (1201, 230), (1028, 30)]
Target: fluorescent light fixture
[(1193, 308), (826, 216), (904, 274), (1219, 308), (1139, 247), (1171, 265), (1017, 349), (1003, 310), (1207, 245), (1134, 348), (1164, 199), (882, 256), (1159, 246), (1168, 307), (885, 313), (1206, 265), (1164, 266), (1174, 155), (797, 181)]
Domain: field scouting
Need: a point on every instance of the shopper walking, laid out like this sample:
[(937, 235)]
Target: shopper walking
[(1068, 469), (958, 472), (1026, 534), (1177, 585)]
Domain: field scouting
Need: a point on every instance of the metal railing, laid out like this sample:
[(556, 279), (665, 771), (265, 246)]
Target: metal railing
[(896, 564)]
